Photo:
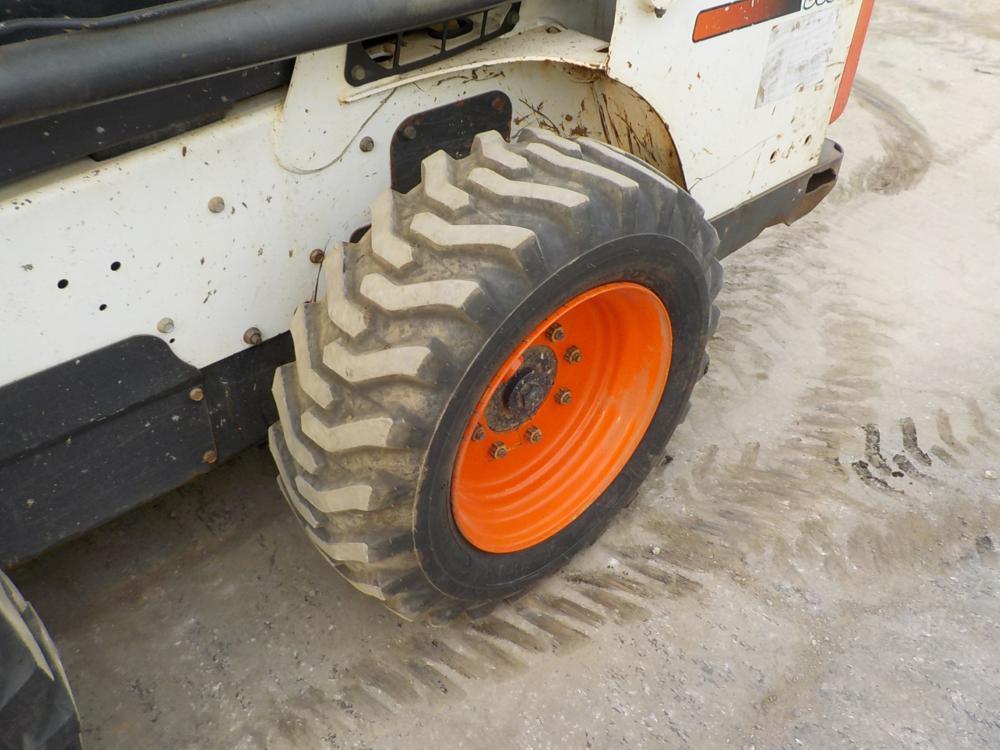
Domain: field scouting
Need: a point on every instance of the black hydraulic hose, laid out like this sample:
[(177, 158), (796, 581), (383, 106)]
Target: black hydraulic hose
[(32, 28), (54, 74)]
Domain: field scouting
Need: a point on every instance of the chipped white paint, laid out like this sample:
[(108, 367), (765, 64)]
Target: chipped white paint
[(707, 93)]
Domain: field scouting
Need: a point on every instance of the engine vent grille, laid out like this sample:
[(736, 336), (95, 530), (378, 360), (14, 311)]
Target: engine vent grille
[(384, 56)]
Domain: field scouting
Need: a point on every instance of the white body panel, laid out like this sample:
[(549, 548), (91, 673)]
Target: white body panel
[(294, 179), (708, 93)]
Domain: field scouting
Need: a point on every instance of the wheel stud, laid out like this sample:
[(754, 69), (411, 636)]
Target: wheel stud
[(498, 449), (533, 435), (564, 396), (555, 332), (479, 433), (573, 355)]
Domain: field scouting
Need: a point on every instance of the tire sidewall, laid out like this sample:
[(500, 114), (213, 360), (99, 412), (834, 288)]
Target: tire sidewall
[(673, 272)]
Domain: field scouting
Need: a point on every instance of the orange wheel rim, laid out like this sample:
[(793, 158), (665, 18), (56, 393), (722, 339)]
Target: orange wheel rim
[(561, 417)]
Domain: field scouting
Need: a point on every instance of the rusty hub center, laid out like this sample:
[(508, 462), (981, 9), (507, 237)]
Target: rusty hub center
[(517, 399)]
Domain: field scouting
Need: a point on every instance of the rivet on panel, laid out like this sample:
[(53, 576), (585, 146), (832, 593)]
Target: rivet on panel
[(253, 336)]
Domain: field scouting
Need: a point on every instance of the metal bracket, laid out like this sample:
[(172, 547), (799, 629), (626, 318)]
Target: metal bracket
[(450, 128)]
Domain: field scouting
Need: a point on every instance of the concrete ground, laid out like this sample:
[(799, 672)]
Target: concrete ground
[(818, 566)]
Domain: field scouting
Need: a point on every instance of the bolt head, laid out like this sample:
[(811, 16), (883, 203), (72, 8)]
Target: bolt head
[(358, 73), (479, 433), (216, 204), (166, 325), (573, 355), (555, 332), (564, 396), (367, 144), (409, 132), (317, 256), (209, 457), (196, 394), (533, 435), (253, 336), (498, 449)]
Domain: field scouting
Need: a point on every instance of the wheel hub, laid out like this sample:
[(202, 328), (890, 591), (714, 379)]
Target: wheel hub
[(522, 395), (561, 417)]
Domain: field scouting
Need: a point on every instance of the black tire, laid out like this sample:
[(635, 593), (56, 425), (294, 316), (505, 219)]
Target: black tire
[(36, 705), (425, 307)]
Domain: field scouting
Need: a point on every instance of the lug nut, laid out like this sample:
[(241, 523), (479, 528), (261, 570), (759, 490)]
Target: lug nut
[(573, 355), (533, 435), (317, 256), (253, 336), (555, 332), (498, 450), (367, 144), (564, 396), (196, 394), (479, 433)]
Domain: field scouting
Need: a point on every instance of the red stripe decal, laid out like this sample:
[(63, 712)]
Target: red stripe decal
[(853, 58), (739, 15)]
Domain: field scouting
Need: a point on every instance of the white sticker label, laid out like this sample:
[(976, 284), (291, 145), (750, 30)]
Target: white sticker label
[(797, 55)]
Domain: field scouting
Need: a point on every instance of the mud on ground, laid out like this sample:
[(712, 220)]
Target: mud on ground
[(814, 565)]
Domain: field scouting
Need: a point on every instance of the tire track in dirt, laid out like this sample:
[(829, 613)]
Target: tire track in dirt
[(908, 148), (970, 33)]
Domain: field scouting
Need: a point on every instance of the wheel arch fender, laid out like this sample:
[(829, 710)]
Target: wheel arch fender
[(556, 81)]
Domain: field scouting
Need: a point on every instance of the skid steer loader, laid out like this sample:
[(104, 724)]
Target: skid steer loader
[(456, 260)]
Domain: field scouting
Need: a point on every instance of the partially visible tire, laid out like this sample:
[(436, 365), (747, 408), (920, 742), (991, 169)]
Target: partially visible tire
[(36, 704), (422, 312)]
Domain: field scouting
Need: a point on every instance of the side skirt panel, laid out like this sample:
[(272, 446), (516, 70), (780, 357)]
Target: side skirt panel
[(87, 440)]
